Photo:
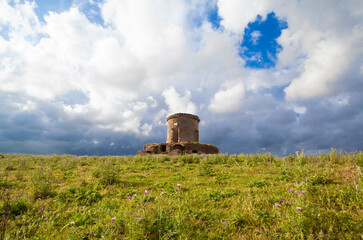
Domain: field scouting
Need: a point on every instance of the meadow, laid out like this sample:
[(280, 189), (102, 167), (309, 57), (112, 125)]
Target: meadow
[(243, 196)]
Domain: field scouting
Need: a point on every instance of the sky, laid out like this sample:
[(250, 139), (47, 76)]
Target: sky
[(99, 77)]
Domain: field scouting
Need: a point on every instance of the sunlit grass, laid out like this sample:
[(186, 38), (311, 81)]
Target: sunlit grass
[(186, 197)]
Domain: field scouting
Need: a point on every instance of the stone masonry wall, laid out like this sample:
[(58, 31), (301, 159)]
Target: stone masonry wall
[(182, 128)]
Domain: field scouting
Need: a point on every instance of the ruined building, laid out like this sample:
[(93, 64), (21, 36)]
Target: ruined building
[(182, 138)]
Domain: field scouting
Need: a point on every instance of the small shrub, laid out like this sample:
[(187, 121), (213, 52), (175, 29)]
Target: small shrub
[(284, 176), (205, 169), (220, 178), (259, 183), (96, 173), (218, 195), (244, 220), (41, 184), (320, 179), (84, 219), (108, 173), (83, 196), (263, 215), (10, 168), (15, 208)]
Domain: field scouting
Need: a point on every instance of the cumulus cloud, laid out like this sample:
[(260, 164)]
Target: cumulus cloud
[(177, 103), (229, 99), (67, 83)]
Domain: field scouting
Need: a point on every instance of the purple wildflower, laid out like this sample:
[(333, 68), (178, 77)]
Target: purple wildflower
[(302, 192), (113, 219), (298, 208), (179, 185), (72, 223), (135, 195), (277, 205), (288, 190), (45, 219), (298, 192), (129, 197), (146, 192), (303, 183)]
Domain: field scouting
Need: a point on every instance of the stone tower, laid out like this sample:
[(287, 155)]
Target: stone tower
[(182, 138), (182, 127)]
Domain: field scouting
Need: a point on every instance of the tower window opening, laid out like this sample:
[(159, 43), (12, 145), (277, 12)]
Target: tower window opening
[(163, 148)]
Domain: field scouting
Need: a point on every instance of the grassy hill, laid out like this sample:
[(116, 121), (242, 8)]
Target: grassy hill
[(186, 197)]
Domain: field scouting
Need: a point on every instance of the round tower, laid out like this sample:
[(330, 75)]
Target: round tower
[(182, 127)]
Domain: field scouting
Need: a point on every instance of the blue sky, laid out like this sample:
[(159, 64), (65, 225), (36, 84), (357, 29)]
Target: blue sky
[(100, 77)]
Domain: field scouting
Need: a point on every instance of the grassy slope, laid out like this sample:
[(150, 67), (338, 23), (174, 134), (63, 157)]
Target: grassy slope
[(235, 197)]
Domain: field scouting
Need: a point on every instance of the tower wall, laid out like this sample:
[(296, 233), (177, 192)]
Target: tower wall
[(182, 127)]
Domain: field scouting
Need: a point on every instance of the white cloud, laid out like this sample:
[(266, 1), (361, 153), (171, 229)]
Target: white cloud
[(236, 20), (21, 19), (177, 103), (146, 129), (325, 65), (154, 103), (255, 36), (319, 50), (229, 99)]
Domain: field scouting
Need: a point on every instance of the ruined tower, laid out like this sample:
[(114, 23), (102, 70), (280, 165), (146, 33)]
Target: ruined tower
[(182, 138), (182, 127)]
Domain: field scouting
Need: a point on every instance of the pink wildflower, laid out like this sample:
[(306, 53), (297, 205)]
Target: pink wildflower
[(302, 192), (129, 197), (179, 185), (72, 223), (298, 192), (277, 204), (45, 219), (113, 219), (288, 190), (146, 192), (298, 208), (303, 183)]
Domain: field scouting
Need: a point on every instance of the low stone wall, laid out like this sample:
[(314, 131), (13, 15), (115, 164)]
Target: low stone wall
[(175, 149)]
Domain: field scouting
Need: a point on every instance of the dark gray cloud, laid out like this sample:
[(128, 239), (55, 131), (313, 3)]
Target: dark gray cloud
[(264, 126)]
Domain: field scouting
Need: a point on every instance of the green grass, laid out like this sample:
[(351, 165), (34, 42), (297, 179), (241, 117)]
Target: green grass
[(222, 197)]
